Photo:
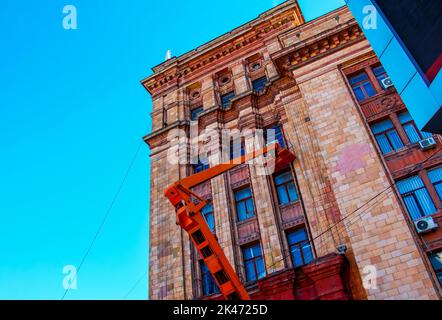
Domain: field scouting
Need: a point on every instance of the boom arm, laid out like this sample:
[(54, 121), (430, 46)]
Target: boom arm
[(190, 218)]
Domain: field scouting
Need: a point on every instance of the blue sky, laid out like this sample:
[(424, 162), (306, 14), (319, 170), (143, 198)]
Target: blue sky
[(72, 114)]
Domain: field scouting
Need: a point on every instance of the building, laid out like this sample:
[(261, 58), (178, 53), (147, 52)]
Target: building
[(407, 39), (339, 222)]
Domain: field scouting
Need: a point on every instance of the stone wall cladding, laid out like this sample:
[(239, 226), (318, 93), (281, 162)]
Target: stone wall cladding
[(381, 237), (337, 167)]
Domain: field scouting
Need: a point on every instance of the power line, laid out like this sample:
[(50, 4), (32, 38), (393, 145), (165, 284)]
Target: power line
[(106, 216), (338, 222), (390, 188), (135, 285)]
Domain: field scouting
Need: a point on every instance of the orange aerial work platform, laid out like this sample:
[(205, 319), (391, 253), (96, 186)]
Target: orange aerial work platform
[(190, 218)]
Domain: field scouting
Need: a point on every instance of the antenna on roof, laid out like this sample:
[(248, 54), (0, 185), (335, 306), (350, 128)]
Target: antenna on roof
[(168, 55)]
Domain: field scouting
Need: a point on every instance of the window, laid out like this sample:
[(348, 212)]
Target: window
[(387, 136), (259, 84), (244, 204), (225, 99), (235, 150), (436, 261), (200, 167), (380, 74), (285, 187), (413, 133), (416, 197), (362, 86), (209, 285), (195, 113), (253, 262), (208, 215), (300, 248), (279, 136), (435, 176)]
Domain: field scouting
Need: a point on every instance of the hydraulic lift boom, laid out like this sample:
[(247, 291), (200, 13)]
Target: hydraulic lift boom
[(190, 218)]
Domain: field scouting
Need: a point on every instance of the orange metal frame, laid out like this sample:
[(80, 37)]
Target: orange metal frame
[(190, 218)]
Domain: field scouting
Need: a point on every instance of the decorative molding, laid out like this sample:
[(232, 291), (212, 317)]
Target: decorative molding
[(318, 46), (169, 73)]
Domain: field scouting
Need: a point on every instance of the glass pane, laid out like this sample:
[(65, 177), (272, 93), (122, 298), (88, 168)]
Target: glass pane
[(210, 221), (435, 175), (395, 140), (384, 144), (260, 267), (250, 208), (296, 256), (413, 208), (259, 84), (297, 236), (241, 210), (242, 194), (208, 283), (405, 117), (426, 135), (256, 250), (369, 89), (410, 184), (411, 132), (293, 194), (282, 195), (425, 201), (225, 99), (436, 261), (247, 252), (196, 112), (439, 189), (360, 95), (382, 126), (360, 77), (208, 208), (307, 252), (279, 136), (378, 71), (250, 271), (284, 177)]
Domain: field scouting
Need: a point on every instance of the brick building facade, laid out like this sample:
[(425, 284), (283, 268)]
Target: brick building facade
[(360, 178)]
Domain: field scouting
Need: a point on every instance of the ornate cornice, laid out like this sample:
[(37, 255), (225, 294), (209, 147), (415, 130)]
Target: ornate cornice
[(318, 46), (170, 73)]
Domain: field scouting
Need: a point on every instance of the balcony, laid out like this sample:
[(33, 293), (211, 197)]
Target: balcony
[(291, 215), (248, 231), (381, 105), (239, 176), (412, 158), (203, 190)]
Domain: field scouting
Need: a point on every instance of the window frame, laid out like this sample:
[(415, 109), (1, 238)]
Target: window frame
[(285, 186), (437, 183), (199, 167), (412, 123), (254, 260), (262, 81), (247, 215), (381, 76), (390, 143), (300, 247), (412, 194), (207, 278), (360, 85), (276, 127), (225, 103), (438, 272), (195, 113), (211, 213)]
